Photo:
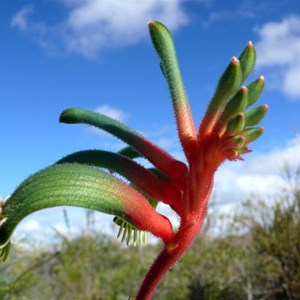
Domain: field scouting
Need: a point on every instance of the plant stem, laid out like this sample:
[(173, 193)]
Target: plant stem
[(169, 255)]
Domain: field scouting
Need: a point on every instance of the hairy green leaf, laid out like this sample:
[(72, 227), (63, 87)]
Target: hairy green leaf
[(160, 158), (81, 186), (145, 179)]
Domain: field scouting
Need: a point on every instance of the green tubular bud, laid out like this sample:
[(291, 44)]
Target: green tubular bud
[(159, 157), (244, 150), (247, 60), (164, 45), (144, 178), (255, 115), (236, 105), (255, 89), (232, 154), (163, 42), (236, 124), (252, 134), (81, 186), (239, 141), (228, 86)]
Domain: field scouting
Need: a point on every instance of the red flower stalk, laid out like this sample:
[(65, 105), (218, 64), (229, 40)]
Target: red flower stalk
[(225, 133)]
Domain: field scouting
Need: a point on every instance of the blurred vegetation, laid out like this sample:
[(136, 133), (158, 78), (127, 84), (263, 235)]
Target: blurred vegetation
[(256, 257)]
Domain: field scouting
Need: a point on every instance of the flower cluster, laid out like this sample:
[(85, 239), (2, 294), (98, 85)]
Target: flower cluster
[(228, 127)]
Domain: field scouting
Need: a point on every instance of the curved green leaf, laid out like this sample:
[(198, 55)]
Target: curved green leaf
[(146, 180), (157, 156), (82, 186)]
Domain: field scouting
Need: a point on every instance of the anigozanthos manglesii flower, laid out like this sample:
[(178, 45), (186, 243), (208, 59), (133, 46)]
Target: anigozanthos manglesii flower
[(229, 125)]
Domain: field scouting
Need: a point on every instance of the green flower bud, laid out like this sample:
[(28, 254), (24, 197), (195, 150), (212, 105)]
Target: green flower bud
[(228, 86), (236, 105), (255, 89), (255, 115), (239, 141), (252, 134), (236, 124), (247, 60)]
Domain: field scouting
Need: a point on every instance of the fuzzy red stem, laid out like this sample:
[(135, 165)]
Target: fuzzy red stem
[(198, 187), (169, 255)]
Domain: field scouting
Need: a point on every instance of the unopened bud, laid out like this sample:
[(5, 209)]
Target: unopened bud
[(247, 60), (255, 115), (251, 134), (235, 105), (255, 89), (239, 141), (236, 124)]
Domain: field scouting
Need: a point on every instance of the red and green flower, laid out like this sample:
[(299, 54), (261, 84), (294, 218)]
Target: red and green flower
[(87, 178)]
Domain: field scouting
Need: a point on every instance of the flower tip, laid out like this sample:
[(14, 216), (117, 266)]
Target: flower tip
[(262, 130), (244, 89), (235, 61), (265, 107), (250, 44), (261, 78), (150, 22), (241, 115)]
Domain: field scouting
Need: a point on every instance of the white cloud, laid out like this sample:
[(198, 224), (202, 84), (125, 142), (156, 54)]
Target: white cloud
[(278, 49), (112, 112), (262, 175), (218, 16), (30, 226), (21, 19), (93, 25)]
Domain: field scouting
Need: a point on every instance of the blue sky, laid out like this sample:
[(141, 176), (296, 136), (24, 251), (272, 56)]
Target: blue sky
[(97, 54)]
